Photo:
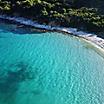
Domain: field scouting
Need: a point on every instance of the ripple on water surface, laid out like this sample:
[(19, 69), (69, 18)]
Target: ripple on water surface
[(48, 68)]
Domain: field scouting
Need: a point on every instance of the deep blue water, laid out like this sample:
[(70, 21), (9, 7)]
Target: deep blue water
[(48, 68)]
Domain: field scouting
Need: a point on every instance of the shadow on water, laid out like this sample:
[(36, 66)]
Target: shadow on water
[(2, 37), (10, 80), (25, 30), (18, 28)]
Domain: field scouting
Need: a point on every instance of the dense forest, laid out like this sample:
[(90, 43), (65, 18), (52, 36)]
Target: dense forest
[(83, 14)]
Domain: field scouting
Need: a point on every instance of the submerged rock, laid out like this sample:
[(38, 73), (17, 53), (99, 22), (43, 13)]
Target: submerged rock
[(9, 82)]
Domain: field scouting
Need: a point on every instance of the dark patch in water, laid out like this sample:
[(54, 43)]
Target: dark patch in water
[(9, 82), (23, 70), (2, 37), (36, 92), (19, 29), (25, 30)]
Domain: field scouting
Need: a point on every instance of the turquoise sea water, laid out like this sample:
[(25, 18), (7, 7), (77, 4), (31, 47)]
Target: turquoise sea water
[(48, 68)]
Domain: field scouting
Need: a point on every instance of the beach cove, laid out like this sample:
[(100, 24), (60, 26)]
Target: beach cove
[(51, 52), (48, 67), (92, 38)]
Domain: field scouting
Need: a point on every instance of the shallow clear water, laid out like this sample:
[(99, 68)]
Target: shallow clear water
[(48, 68)]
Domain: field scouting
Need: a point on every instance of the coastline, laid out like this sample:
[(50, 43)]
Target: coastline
[(88, 37)]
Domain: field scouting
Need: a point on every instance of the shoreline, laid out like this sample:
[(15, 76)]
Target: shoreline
[(89, 37)]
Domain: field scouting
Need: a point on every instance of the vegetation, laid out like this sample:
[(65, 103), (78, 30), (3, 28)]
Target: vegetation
[(75, 13)]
